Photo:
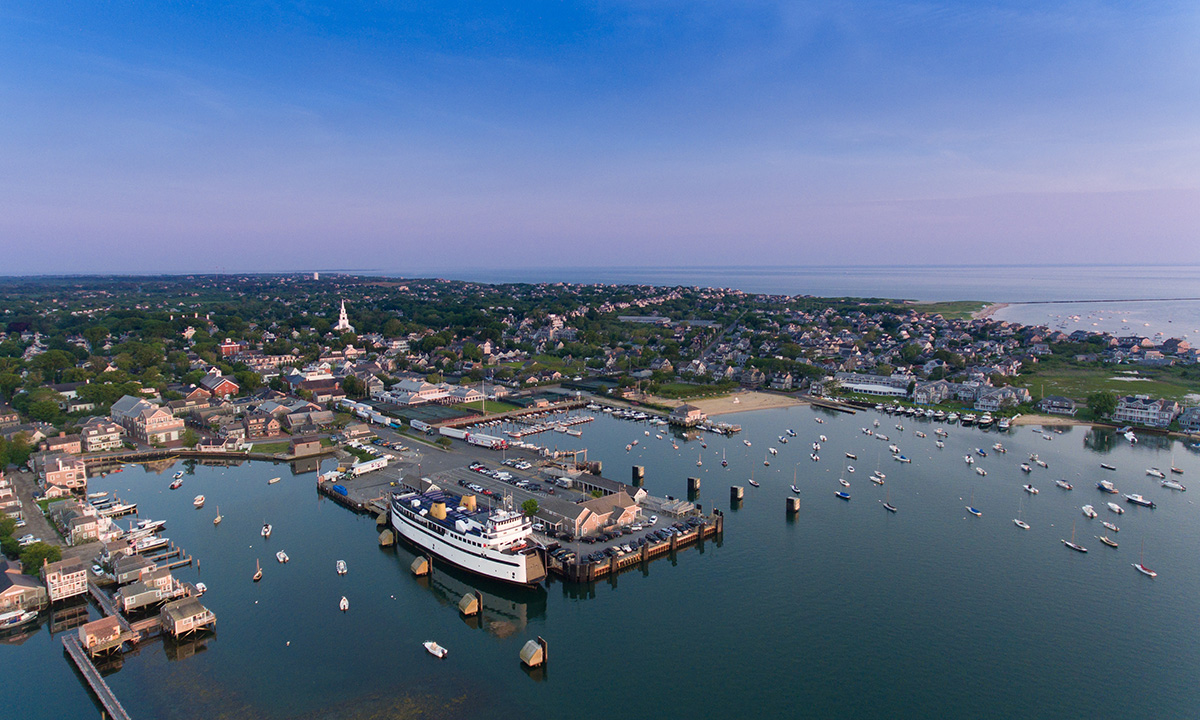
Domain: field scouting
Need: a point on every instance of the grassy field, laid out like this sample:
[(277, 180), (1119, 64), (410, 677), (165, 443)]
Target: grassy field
[(1078, 383), (682, 391), (493, 406), (273, 447), (954, 310)]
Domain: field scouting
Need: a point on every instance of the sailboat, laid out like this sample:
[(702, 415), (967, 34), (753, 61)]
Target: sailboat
[(1140, 565), (1019, 520), (752, 480), (699, 460), (972, 509), (217, 519), (724, 462), (887, 504), (794, 488), (767, 461), (1071, 543), (257, 571)]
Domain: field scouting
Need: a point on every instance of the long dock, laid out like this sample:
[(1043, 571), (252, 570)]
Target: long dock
[(91, 675)]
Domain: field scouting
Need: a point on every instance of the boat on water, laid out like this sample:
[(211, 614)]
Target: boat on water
[(876, 479), (1021, 523), (791, 432), (920, 434), (940, 444), (1116, 508), (1155, 472), (850, 468), (1110, 526), (842, 494), (753, 482), (201, 588), (148, 524), (343, 604), (257, 571), (1089, 511), (272, 481), (822, 438), (97, 495), (851, 456), (889, 507), (1108, 541), (980, 472), (1071, 543), (746, 443), (968, 460), (974, 511), (844, 482), (492, 542), (795, 489), (176, 484), (981, 452), (1106, 487), (1140, 564), (198, 501), (177, 475), (16, 618), (1172, 485), (724, 462), (773, 451), (1064, 484), (341, 567), (952, 418), (1025, 468), (434, 649), (1106, 466), (1177, 471), (266, 530), (281, 556), (1139, 500), (1003, 424), (217, 520), (699, 460), (814, 457), (901, 459), (1041, 463), (1030, 489)]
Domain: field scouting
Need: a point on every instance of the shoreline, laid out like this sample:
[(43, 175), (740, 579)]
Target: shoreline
[(988, 311), (746, 401)]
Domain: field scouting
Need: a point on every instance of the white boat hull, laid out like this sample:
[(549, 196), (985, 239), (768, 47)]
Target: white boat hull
[(481, 561)]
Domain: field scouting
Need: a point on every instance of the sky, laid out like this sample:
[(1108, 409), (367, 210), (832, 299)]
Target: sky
[(412, 137)]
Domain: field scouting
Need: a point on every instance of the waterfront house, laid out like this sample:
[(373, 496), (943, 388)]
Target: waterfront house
[(260, 424), (1057, 405), (64, 443), (100, 635), (146, 422), (100, 435), (64, 472), (1142, 410), (129, 568), (931, 393), (1189, 420), (687, 415), (65, 578), (19, 591), (186, 615), (300, 446)]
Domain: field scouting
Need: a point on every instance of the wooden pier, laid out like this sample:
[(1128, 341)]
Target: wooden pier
[(91, 675), (589, 571)]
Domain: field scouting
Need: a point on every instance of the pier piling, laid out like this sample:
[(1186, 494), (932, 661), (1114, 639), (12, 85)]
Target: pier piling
[(693, 484), (793, 505), (421, 566), (639, 475), (736, 492)]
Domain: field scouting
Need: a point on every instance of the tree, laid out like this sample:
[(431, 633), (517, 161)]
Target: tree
[(1102, 404), (33, 555), (190, 438), (444, 442), (529, 507)]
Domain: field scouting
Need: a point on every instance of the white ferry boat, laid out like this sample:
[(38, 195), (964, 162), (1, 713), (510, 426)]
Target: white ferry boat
[(493, 543)]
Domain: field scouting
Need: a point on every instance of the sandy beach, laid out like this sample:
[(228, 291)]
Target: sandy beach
[(744, 401), (988, 311), (1049, 420)]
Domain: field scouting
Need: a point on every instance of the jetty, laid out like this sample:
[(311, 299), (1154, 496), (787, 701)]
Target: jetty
[(91, 675)]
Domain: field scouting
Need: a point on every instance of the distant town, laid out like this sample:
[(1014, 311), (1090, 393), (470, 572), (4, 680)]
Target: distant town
[(295, 366)]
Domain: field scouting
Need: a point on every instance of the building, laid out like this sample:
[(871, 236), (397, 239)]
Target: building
[(19, 591), (64, 472), (1057, 405), (1189, 420), (146, 422), (865, 384), (305, 446), (10, 504), (8, 417), (65, 578), (218, 385), (343, 323), (932, 392), (687, 415), (100, 635), (186, 616), (101, 435), (1141, 410), (64, 443), (260, 424)]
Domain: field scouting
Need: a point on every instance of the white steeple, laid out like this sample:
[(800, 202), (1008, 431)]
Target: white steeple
[(343, 323)]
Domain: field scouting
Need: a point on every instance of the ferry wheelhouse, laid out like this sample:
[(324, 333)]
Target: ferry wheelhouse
[(494, 543)]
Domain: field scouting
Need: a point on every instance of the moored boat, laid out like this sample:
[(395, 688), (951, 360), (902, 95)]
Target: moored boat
[(1110, 526), (1021, 523), (343, 604), (341, 567), (1172, 485), (266, 530), (1089, 511), (1106, 486), (1106, 466), (434, 649), (1030, 489), (1108, 541), (1116, 508), (281, 556), (257, 571), (1139, 500), (842, 494), (198, 501), (1155, 472), (1064, 484)]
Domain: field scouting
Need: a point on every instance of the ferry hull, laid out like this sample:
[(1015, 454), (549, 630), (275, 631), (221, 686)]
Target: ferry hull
[(514, 569)]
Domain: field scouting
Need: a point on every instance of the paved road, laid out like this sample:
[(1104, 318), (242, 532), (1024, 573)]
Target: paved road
[(25, 483)]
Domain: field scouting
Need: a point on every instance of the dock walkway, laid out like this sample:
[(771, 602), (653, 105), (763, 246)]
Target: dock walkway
[(103, 692)]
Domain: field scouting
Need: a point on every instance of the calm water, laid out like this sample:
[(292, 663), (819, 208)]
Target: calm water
[(1176, 318), (844, 611)]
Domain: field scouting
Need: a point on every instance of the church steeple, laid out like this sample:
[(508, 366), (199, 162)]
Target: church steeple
[(343, 323)]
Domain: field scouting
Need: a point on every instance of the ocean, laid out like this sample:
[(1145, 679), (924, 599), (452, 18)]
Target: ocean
[(843, 610)]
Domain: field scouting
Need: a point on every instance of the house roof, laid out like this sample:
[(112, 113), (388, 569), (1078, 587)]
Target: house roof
[(188, 607)]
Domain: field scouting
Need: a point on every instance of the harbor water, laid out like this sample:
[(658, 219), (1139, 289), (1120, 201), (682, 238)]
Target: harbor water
[(842, 610)]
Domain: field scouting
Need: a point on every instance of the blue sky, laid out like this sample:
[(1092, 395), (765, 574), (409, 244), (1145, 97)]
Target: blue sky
[(412, 137)]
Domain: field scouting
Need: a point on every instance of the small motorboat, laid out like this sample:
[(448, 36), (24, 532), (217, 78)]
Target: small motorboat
[(177, 475), (344, 605), (434, 649), (1106, 466), (940, 444), (901, 459), (1031, 489), (773, 451), (1041, 463), (266, 530), (272, 481), (201, 588), (1089, 511), (842, 494), (746, 443), (1172, 485), (1108, 541), (281, 556), (1021, 523), (754, 483), (822, 438), (1110, 526), (1025, 468), (849, 468), (1116, 508), (176, 484), (851, 456), (791, 432), (257, 571), (815, 457), (889, 507), (981, 472), (1139, 500), (795, 489), (968, 460), (341, 567), (16, 618), (876, 479), (844, 482), (1106, 487), (981, 452), (1064, 484), (1155, 472), (198, 501)]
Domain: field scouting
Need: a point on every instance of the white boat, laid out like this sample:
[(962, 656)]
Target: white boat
[(1116, 508), (1140, 565), (968, 460), (341, 567), (1110, 526), (1021, 523), (773, 451), (1031, 489), (177, 475), (1025, 468), (940, 444), (1155, 472), (272, 481), (844, 482), (217, 520), (493, 542), (16, 618), (343, 604), (1064, 484), (257, 571), (1089, 511), (201, 588), (981, 472), (266, 530), (1172, 485), (198, 501), (746, 443), (435, 649), (1071, 543), (850, 468), (281, 556)]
